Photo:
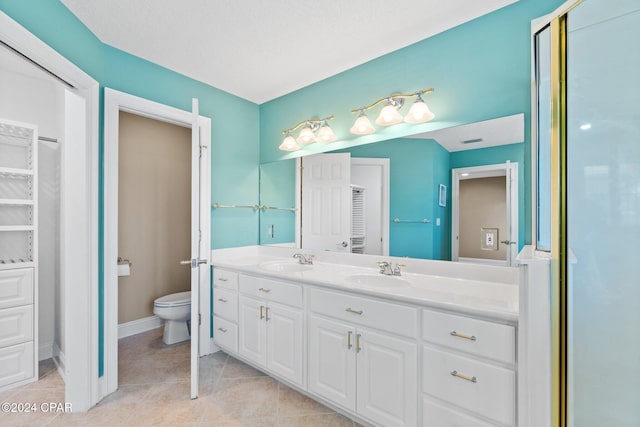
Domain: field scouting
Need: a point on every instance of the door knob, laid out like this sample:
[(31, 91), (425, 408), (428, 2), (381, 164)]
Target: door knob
[(343, 244), (194, 262), (507, 242)]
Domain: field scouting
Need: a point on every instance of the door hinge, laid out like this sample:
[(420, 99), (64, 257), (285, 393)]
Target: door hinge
[(199, 319), (202, 147)]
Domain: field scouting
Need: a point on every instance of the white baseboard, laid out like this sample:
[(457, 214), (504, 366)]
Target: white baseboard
[(59, 360), (138, 326), (45, 350)]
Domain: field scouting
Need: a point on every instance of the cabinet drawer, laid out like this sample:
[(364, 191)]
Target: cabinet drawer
[(435, 415), (16, 325), (479, 337), (272, 290), (225, 279), (449, 377), (17, 363), (225, 334), (225, 304), (381, 315), (16, 287)]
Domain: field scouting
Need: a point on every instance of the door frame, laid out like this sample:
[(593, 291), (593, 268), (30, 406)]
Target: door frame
[(116, 101), (384, 164), (78, 220), (508, 169)]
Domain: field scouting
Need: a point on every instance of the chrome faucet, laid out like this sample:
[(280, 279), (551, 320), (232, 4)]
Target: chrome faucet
[(302, 259), (388, 269)]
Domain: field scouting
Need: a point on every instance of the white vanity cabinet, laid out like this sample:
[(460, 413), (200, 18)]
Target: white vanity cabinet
[(468, 371), (271, 326), (371, 372), (225, 309)]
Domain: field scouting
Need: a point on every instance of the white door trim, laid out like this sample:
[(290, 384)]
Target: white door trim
[(384, 165), (507, 169), (115, 102), (79, 242)]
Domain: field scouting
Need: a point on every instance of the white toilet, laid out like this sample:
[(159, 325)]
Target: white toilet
[(175, 310)]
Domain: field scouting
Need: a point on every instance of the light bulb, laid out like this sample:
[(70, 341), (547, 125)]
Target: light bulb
[(325, 134), (362, 125), (419, 112), (306, 136), (289, 144), (389, 115)]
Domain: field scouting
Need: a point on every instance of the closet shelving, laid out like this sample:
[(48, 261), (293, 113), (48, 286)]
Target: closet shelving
[(18, 194), (357, 219), (18, 253)]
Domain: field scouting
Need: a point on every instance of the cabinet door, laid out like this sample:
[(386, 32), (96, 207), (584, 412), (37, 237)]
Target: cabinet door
[(387, 380), (252, 330), (332, 361), (285, 348)]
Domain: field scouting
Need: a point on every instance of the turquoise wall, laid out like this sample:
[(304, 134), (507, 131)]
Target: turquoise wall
[(277, 189), (417, 167), (480, 70), (234, 132)]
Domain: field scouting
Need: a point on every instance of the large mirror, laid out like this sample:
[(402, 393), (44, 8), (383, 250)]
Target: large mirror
[(407, 192)]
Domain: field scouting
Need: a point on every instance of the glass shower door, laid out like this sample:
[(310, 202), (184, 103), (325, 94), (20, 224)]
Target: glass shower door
[(603, 213)]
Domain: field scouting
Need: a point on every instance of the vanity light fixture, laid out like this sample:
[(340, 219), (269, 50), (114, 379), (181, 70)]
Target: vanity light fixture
[(390, 115), (312, 130)]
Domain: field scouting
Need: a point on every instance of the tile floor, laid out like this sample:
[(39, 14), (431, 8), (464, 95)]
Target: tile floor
[(154, 391)]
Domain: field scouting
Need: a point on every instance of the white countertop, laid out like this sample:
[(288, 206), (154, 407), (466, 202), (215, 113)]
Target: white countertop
[(485, 291)]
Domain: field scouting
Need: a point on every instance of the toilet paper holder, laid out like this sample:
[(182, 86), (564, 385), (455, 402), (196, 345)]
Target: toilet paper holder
[(122, 261)]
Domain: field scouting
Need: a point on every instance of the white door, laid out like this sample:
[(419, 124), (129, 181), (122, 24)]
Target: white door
[(332, 361), (252, 330), (285, 351), (326, 202), (387, 381), (199, 247)]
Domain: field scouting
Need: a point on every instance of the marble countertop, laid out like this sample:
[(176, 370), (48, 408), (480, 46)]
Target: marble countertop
[(492, 295)]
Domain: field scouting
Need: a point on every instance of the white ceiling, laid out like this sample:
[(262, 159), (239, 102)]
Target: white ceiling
[(501, 131), (260, 50)]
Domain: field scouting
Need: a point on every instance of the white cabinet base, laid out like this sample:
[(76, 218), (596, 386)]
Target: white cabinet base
[(16, 365)]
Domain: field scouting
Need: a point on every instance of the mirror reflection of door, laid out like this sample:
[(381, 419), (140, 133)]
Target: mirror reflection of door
[(485, 215), (345, 204)]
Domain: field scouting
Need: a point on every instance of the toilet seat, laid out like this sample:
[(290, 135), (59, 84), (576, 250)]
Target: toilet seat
[(174, 300)]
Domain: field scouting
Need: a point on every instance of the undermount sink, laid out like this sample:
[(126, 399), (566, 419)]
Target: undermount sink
[(285, 266), (378, 281)]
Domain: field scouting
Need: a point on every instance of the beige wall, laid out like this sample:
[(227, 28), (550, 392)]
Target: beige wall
[(154, 212), (483, 204)]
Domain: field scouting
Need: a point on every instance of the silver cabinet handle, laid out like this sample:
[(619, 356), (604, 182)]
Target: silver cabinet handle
[(266, 310), (222, 279), (466, 337), (464, 377), (261, 315), (265, 290), (358, 347), (224, 331), (222, 300), (349, 345), (351, 310)]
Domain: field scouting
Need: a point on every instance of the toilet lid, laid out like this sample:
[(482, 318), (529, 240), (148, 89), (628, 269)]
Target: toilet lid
[(173, 300)]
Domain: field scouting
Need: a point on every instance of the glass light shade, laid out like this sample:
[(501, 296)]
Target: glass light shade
[(389, 115), (362, 126), (419, 113), (325, 134), (306, 136), (289, 144)]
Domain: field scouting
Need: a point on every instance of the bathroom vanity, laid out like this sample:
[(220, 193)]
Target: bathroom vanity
[(434, 346)]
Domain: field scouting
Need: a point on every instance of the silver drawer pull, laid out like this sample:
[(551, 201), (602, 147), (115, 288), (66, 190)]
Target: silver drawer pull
[(464, 377), (223, 279), (351, 310), (466, 337), (349, 345), (265, 290), (224, 331), (222, 300)]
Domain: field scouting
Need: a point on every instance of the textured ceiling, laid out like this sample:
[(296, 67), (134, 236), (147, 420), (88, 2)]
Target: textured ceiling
[(260, 50)]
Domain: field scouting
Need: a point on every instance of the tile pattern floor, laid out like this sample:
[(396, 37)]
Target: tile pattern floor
[(154, 391)]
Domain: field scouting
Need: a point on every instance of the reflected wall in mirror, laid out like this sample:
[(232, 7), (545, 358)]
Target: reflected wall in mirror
[(278, 203), (417, 166)]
